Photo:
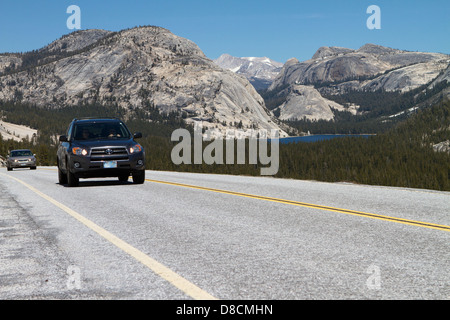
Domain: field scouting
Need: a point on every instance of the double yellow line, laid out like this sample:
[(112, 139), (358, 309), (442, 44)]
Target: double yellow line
[(314, 206)]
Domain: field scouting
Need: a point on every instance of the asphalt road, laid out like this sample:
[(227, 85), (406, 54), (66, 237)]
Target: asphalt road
[(197, 236)]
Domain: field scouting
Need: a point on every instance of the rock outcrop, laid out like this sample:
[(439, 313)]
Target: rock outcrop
[(10, 131), (306, 102), (443, 146)]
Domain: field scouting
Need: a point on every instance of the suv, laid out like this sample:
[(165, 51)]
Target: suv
[(99, 148), (23, 158)]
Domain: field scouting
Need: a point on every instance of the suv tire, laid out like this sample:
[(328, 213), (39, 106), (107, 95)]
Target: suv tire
[(139, 177), (72, 180), (62, 178)]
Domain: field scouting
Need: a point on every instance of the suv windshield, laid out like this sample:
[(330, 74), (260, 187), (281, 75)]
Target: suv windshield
[(21, 153), (100, 130)]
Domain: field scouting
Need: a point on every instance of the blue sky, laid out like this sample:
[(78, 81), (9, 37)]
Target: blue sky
[(276, 29)]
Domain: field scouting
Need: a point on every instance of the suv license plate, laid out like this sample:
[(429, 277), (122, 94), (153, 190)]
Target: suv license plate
[(110, 164)]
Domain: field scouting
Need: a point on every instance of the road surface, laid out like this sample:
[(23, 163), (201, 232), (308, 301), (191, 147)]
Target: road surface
[(200, 236)]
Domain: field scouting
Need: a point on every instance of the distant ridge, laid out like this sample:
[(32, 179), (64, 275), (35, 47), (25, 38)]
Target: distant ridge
[(260, 71), (300, 87)]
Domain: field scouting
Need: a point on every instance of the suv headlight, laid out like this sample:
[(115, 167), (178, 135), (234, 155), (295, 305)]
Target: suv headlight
[(136, 148), (79, 151)]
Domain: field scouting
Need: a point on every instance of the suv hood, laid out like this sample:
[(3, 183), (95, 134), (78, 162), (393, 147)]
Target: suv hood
[(103, 143)]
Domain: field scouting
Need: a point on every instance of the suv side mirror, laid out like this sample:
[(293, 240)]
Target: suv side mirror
[(63, 139), (137, 135)]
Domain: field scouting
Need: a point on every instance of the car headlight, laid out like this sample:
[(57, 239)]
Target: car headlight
[(79, 151), (136, 148)]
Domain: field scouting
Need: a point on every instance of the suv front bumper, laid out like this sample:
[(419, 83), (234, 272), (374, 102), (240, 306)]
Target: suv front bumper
[(106, 165)]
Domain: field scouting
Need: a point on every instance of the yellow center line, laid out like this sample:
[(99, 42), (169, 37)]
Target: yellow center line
[(314, 206), (164, 272)]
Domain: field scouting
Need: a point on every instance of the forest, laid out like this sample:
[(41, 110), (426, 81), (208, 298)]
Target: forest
[(402, 155)]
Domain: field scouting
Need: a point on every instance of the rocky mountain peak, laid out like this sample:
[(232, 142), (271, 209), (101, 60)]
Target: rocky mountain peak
[(291, 61), (324, 52), (149, 37), (376, 49), (76, 40)]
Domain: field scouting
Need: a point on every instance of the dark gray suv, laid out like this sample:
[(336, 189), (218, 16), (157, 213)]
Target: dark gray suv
[(99, 148)]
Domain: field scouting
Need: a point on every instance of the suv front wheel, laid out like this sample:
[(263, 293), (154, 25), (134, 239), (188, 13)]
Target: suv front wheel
[(62, 178), (139, 177), (72, 180)]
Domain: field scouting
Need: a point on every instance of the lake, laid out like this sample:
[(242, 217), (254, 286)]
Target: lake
[(320, 137)]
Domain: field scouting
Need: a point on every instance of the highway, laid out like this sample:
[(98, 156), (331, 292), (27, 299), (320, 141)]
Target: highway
[(183, 236)]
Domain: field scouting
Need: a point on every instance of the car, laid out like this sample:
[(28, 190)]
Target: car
[(99, 147), (22, 158)]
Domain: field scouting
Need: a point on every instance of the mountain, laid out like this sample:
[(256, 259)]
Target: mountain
[(335, 71), (259, 71), (371, 67), (138, 68)]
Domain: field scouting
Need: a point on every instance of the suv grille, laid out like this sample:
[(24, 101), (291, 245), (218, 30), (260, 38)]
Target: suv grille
[(98, 154)]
